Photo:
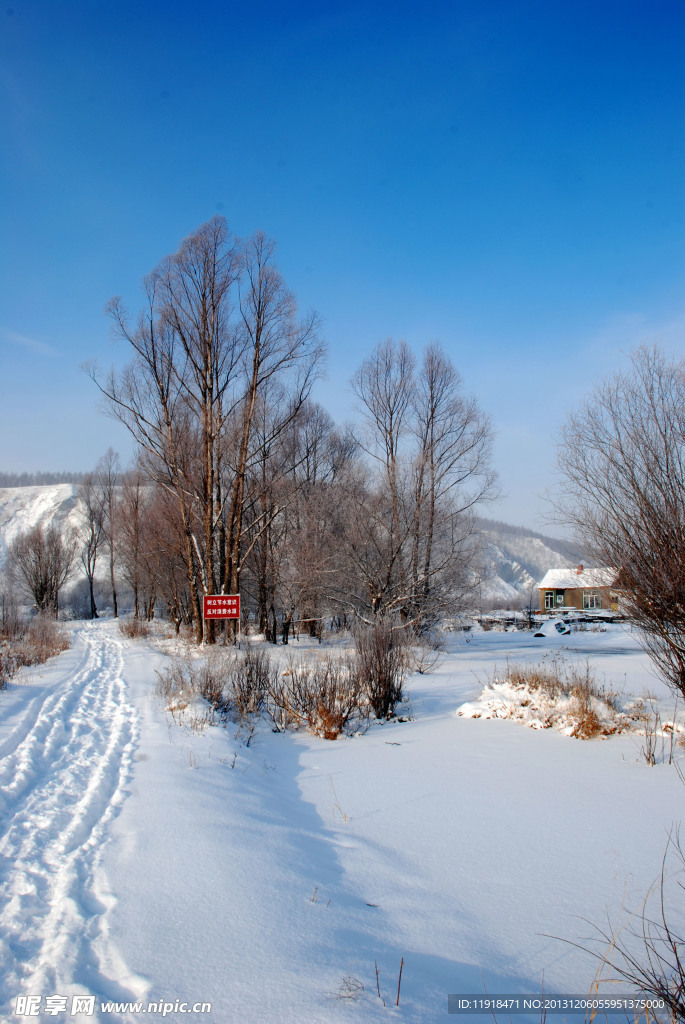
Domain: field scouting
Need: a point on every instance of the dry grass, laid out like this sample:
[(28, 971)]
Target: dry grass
[(644, 949), (134, 629), (328, 693), (29, 642)]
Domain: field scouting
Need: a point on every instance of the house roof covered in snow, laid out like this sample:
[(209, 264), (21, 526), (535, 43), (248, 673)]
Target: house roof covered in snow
[(574, 578)]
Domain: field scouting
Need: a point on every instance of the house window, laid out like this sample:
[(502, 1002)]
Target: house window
[(549, 599), (592, 599), (561, 594)]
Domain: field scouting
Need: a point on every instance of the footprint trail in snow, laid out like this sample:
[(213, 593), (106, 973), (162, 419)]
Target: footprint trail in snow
[(62, 780)]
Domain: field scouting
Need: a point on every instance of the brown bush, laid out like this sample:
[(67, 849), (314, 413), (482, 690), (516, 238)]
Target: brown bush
[(134, 629), (30, 642), (381, 663), (325, 694)]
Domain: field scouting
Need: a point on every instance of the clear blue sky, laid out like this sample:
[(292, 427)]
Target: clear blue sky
[(505, 177)]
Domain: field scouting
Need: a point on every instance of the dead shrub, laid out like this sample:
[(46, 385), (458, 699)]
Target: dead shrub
[(210, 679), (175, 683), (381, 662), (325, 694), (645, 950), (184, 679), (424, 652), (660, 737), (230, 681), (251, 685), (46, 638), (134, 629), (30, 642)]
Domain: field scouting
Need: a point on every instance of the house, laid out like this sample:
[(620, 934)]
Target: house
[(581, 589)]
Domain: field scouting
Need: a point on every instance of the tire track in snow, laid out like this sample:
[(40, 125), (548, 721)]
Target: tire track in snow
[(59, 788)]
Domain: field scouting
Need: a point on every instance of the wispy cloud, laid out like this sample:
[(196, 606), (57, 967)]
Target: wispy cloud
[(23, 341)]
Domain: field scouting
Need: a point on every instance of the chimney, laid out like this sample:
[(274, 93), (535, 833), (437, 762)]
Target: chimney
[(579, 570)]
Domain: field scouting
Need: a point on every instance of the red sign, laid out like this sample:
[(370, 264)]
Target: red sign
[(221, 606)]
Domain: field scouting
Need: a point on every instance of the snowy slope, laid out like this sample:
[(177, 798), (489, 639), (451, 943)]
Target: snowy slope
[(516, 559), (23, 508), (147, 859)]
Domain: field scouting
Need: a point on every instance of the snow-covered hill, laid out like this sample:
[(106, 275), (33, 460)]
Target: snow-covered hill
[(23, 508), (516, 559)]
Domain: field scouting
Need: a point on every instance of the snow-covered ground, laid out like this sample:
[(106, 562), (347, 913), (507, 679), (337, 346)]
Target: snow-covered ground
[(145, 859)]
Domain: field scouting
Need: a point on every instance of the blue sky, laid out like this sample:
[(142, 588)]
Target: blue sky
[(507, 178)]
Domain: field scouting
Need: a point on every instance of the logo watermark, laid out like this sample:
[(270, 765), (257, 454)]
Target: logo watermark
[(85, 1005)]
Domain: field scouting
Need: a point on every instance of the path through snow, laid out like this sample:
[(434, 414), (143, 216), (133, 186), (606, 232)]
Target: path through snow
[(63, 772)]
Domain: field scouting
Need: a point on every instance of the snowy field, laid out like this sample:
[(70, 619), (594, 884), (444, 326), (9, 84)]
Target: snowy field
[(144, 859)]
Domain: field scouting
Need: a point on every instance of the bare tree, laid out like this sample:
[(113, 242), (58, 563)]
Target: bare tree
[(623, 458), (132, 507), (92, 511), (411, 528), (106, 479), (172, 397), (219, 326), (280, 350), (452, 474), (43, 560)]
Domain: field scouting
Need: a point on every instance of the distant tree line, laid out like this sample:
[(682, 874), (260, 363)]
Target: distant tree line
[(39, 479)]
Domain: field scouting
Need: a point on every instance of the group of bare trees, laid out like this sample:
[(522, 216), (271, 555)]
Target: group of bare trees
[(244, 484), (411, 545)]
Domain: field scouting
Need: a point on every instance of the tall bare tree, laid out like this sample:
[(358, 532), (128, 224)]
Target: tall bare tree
[(92, 515), (219, 325), (623, 459), (106, 480), (279, 349), (452, 475)]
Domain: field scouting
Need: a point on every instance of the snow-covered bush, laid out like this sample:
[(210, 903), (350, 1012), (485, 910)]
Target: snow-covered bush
[(554, 694), (327, 693), (185, 680)]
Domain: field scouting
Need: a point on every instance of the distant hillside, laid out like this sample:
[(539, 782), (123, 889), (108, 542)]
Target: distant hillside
[(515, 559), (22, 508)]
